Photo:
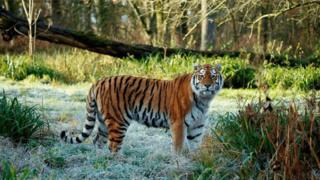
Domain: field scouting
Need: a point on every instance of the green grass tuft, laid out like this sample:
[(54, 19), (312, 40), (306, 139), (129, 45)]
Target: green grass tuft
[(19, 122), (9, 172)]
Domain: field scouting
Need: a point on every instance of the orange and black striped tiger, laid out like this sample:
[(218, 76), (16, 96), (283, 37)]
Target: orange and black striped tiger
[(180, 104)]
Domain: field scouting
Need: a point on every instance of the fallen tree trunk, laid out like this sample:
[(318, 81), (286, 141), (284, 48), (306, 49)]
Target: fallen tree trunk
[(12, 26)]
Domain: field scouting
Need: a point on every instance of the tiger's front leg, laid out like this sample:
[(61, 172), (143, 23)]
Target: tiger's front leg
[(178, 135), (195, 134)]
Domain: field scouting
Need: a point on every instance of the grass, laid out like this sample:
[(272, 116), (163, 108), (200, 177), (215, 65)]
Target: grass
[(253, 143), (74, 66), (9, 172), (18, 121)]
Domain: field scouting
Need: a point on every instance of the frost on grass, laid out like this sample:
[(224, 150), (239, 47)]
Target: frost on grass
[(146, 152)]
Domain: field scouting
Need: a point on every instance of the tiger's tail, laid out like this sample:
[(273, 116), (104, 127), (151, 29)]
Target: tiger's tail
[(89, 123)]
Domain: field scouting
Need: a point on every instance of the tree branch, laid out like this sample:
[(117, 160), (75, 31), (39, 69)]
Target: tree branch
[(286, 10)]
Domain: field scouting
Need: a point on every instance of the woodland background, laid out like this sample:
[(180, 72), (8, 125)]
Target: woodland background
[(268, 26)]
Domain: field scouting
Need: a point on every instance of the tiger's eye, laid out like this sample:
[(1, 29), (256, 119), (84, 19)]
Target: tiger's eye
[(200, 77)]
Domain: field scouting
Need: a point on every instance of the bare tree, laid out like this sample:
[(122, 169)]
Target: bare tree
[(31, 18)]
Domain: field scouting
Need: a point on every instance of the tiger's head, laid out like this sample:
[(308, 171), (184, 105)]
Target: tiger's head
[(206, 80)]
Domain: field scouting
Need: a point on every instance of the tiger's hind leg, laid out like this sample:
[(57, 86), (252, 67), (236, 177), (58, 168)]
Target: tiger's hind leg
[(116, 133), (102, 136)]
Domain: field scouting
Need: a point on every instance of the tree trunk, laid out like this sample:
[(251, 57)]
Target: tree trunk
[(204, 25), (57, 14)]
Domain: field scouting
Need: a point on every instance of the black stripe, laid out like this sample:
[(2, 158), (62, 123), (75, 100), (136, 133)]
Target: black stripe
[(91, 111), (186, 123), (165, 97), (78, 140), (109, 82), (146, 121), (102, 83), (89, 126), (136, 114), (152, 88), (150, 102), (144, 94), (192, 137), (165, 120), (158, 115), (89, 118), (71, 140), (115, 140), (115, 84), (122, 128), (144, 113), (85, 135), (197, 127), (151, 115), (153, 123), (115, 131), (126, 122), (116, 90), (197, 103), (132, 92), (102, 133), (118, 93), (161, 124), (152, 95), (124, 98), (195, 84), (193, 117), (112, 83), (159, 99), (121, 137)]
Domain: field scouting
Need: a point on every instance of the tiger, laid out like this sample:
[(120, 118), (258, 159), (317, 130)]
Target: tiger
[(180, 105)]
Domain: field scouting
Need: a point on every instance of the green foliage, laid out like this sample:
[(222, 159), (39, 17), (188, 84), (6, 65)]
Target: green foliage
[(9, 172), (66, 66), (55, 161), (238, 74), (20, 67), (297, 78), (19, 122)]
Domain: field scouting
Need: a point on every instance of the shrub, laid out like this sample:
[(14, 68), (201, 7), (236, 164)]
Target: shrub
[(17, 121), (259, 144)]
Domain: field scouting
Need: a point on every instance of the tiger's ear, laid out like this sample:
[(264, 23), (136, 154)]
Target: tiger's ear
[(218, 67), (196, 67)]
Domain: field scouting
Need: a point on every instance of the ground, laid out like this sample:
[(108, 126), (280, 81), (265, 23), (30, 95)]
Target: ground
[(146, 152)]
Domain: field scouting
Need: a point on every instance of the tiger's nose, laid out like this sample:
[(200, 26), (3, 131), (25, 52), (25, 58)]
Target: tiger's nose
[(207, 85)]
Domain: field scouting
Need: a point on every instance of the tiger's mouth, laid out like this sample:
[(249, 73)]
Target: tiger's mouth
[(207, 92)]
